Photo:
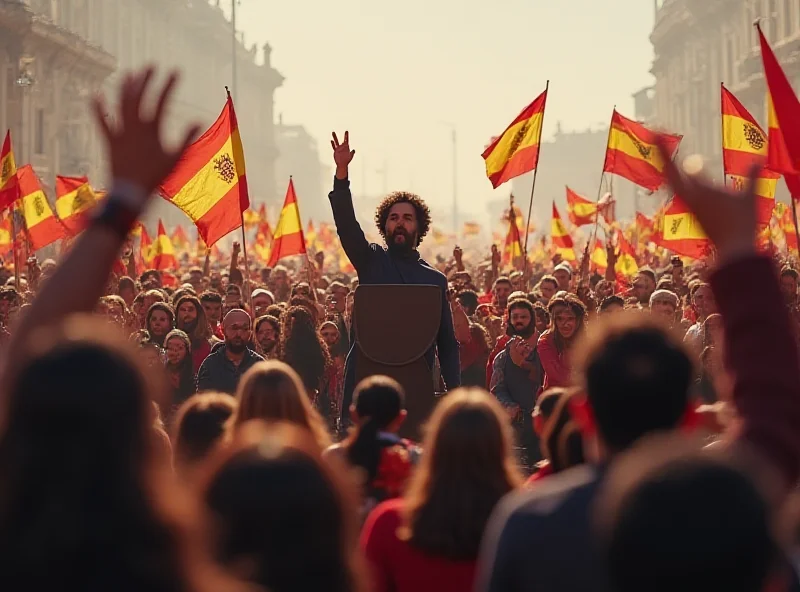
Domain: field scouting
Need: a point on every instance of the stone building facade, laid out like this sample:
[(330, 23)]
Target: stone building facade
[(700, 45), (55, 53)]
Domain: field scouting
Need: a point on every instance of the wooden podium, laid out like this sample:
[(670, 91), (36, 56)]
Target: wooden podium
[(395, 326)]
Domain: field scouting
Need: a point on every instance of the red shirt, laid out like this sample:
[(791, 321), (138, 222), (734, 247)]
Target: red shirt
[(397, 566), (557, 370), (199, 353)]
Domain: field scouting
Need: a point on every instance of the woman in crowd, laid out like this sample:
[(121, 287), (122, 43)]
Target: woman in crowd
[(302, 348), (87, 503), (559, 435), (429, 539), (567, 317), (286, 520), (180, 370), (383, 461), (198, 426), (273, 392), (160, 321)]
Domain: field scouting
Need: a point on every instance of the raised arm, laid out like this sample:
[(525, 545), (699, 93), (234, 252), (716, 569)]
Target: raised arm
[(354, 243), (139, 163)]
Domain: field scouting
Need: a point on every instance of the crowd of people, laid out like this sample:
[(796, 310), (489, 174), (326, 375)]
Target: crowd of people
[(593, 436)]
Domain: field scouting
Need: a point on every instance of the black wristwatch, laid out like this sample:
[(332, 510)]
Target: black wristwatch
[(116, 215)]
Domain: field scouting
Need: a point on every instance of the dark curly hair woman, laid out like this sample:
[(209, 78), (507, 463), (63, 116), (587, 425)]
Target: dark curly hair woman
[(567, 319), (302, 348), (417, 212)]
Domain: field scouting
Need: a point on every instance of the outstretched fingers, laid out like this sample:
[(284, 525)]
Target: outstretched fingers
[(335, 141)]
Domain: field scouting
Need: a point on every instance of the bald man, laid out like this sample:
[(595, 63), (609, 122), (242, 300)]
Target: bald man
[(223, 368)]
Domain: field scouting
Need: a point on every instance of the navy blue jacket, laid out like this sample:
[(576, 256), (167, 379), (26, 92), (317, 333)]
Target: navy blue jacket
[(375, 265), (218, 373)]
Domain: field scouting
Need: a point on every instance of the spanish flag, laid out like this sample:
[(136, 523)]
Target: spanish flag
[(311, 236), (263, 241), (743, 145), (778, 159), (632, 153), (516, 151), (626, 259), (599, 259), (252, 218), (326, 235), (180, 240), (145, 250), (162, 251), (471, 229), (580, 210), (513, 244), (43, 228), (74, 199), (6, 242), (559, 235), (288, 239), (682, 231), (8, 174), (209, 182)]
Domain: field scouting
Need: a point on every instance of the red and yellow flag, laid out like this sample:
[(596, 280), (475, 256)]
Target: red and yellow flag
[(42, 227), (599, 259), (471, 229), (252, 218), (74, 199), (632, 153), (580, 210), (288, 239), (311, 236), (8, 174), (559, 235), (516, 151), (6, 241), (682, 231), (626, 259), (785, 219), (209, 182), (162, 251), (744, 144), (513, 244), (778, 159), (145, 259), (327, 236), (180, 240)]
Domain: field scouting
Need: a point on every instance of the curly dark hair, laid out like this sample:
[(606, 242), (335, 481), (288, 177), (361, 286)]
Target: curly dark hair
[(302, 348), (396, 197), (578, 308)]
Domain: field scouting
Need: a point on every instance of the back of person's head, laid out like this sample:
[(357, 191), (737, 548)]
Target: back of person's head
[(674, 519), (285, 520), (636, 375), (378, 402), (83, 497), (199, 425), (273, 392), (468, 465), (559, 433)]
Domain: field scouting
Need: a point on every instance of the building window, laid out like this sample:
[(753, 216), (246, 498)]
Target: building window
[(38, 144)]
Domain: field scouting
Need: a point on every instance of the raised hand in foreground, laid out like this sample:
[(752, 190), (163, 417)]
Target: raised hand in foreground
[(728, 216), (342, 155)]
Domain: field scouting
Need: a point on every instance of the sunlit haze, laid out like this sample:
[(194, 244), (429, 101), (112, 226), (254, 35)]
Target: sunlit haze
[(395, 73)]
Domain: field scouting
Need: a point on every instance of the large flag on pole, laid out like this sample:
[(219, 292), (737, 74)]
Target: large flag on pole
[(513, 244), (74, 199), (580, 210), (516, 151), (785, 104), (288, 239), (8, 174), (43, 228), (744, 144), (599, 259), (559, 235), (778, 159), (632, 153), (209, 182)]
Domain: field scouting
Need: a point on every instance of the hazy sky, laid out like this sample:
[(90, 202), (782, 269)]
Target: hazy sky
[(391, 72)]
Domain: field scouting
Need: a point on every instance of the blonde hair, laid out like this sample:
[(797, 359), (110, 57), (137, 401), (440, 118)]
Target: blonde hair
[(273, 392)]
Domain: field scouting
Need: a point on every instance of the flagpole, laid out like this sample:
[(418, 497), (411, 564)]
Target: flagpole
[(533, 182), (722, 132), (602, 176)]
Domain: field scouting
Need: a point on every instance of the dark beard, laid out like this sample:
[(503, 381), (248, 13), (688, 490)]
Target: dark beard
[(189, 328), (404, 249), (236, 348), (524, 333)]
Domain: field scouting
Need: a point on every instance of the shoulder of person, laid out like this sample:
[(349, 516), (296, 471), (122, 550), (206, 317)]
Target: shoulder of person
[(217, 347), (557, 498)]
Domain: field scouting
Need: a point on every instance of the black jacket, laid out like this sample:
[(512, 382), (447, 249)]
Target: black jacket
[(218, 373), (375, 265)]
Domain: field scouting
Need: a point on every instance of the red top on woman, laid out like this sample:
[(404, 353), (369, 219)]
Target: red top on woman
[(557, 370), (397, 566)]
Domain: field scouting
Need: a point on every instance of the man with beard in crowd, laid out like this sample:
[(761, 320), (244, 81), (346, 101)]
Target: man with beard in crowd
[(643, 286), (517, 375), (704, 304), (222, 370), (403, 219), (268, 334), (191, 319), (212, 305)]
